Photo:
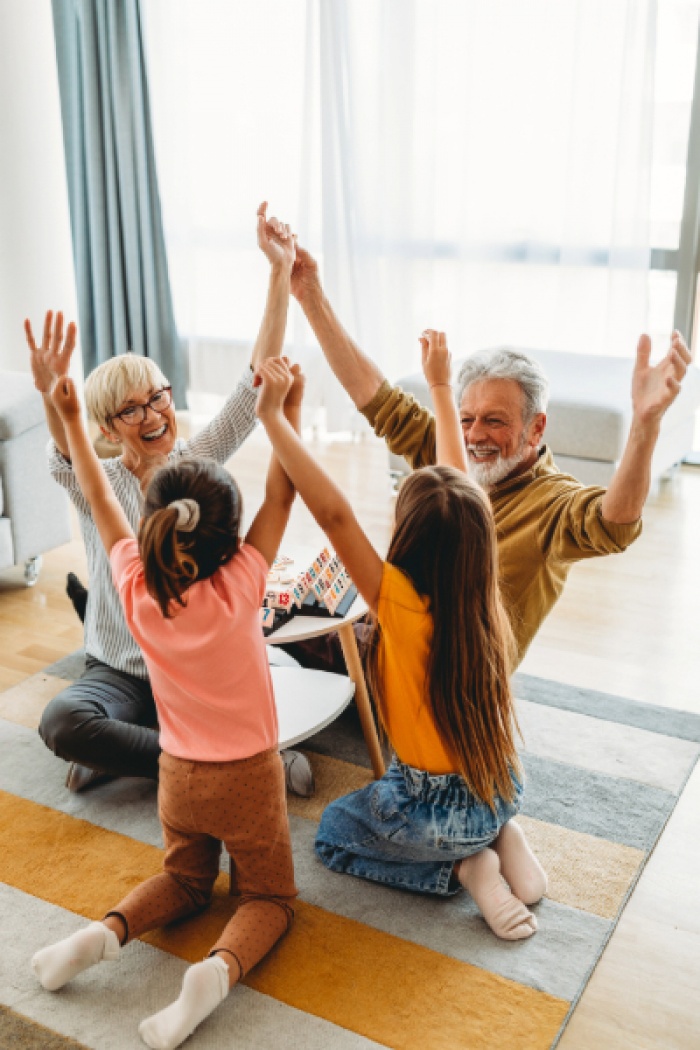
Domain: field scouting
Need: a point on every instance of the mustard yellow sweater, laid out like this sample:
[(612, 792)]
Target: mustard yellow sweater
[(545, 520)]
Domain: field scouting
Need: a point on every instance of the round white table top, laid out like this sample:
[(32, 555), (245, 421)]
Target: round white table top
[(307, 701)]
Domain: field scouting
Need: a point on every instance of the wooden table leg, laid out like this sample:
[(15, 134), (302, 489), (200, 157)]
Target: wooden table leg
[(354, 666)]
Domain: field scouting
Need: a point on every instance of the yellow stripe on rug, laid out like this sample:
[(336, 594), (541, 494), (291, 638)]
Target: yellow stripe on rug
[(584, 872), (390, 990)]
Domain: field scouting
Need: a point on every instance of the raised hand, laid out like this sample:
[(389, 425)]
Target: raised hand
[(436, 358), (305, 278), (65, 399), (275, 379), (51, 359), (655, 388), (295, 394), (276, 239)]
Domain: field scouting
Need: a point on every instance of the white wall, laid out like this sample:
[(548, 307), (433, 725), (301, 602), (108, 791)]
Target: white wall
[(36, 261)]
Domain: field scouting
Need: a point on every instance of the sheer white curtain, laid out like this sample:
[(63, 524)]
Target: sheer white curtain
[(482, 166)]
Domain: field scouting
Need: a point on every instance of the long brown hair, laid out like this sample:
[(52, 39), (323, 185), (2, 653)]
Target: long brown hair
[(174, 559), (445, 541)]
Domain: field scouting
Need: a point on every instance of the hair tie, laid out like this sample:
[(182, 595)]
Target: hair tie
[(187, 514)]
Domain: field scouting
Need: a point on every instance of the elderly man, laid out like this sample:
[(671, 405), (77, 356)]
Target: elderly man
[(546, 520)]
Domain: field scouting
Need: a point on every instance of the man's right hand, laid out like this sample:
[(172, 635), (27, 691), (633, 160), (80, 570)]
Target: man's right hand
[(52, 359), (305, 279)]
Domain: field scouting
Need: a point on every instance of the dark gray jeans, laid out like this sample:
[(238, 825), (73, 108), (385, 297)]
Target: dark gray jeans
[(106, 720)]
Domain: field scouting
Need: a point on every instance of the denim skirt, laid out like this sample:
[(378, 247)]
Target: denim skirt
[(409, 828)]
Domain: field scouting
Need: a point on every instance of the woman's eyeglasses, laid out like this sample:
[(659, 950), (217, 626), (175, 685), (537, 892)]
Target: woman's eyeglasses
[(132, 415)]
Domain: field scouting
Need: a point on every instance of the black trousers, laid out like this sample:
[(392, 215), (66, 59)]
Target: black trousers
[(106, 720)]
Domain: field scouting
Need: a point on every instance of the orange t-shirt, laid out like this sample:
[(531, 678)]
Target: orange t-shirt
[(406, 633), (207, 665)]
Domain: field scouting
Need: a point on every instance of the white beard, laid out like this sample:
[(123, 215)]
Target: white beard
[(486, 475)]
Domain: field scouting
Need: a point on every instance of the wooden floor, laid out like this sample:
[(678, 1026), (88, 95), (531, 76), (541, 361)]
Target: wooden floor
[(628, 625)]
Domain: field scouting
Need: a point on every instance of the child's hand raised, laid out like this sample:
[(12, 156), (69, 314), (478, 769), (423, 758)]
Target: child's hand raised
[(275, 378), (437, 360), (65, 399), (276, 240), (295, 394)]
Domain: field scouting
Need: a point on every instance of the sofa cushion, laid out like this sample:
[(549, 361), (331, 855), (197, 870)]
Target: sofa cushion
[(7, 557), (21, 405)]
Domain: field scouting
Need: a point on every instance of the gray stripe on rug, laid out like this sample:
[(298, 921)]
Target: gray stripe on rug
[(616, 809), (606, 747), (554, 792), (102, 1007), (682, 724)]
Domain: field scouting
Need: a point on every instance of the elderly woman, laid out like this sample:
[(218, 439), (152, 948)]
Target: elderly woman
[(105, 722)]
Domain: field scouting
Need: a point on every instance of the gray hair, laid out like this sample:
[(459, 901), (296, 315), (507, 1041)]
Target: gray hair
[(504, 362)]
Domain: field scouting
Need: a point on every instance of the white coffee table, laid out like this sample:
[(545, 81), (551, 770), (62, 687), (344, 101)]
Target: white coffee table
[(310, 700), (307, 701)]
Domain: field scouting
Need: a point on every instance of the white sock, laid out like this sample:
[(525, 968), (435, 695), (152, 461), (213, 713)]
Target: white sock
[(519, 865), (205, 985), (61, 962), (506, 915)]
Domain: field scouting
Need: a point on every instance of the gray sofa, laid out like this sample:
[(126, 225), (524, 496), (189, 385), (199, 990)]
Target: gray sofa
[(34, 515), (589, 414)]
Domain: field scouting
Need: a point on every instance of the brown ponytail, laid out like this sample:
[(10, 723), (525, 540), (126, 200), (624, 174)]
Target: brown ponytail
[(174, 559)]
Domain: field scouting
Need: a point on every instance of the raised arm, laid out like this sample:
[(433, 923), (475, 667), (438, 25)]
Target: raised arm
[(277, 243), (267, 529), (227, 431), (49, 362), (437, 369), (351, 367), (322, 496), (110, 519), (654, 389)]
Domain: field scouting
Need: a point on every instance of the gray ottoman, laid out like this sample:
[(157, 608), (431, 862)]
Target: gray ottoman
[(589, 414), (34, 514)]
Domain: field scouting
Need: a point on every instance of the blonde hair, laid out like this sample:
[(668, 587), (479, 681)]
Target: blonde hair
[(115, 380)]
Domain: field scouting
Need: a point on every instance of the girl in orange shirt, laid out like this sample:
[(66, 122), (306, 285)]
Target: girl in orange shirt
[(440, 819)]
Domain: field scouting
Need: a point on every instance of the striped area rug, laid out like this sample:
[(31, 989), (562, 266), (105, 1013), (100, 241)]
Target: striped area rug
[(364, 966)]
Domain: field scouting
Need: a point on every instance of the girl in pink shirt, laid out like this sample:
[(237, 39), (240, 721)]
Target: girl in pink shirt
[(192, 591)]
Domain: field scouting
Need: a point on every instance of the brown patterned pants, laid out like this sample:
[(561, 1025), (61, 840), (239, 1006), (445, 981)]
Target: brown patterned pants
[(201, 805)]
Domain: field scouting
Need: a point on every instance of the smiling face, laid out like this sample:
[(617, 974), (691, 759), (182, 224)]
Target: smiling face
[(498, 441), (153, 437)]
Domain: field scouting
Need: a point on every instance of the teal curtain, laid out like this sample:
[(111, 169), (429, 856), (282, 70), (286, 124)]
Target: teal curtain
[(124, 296)]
